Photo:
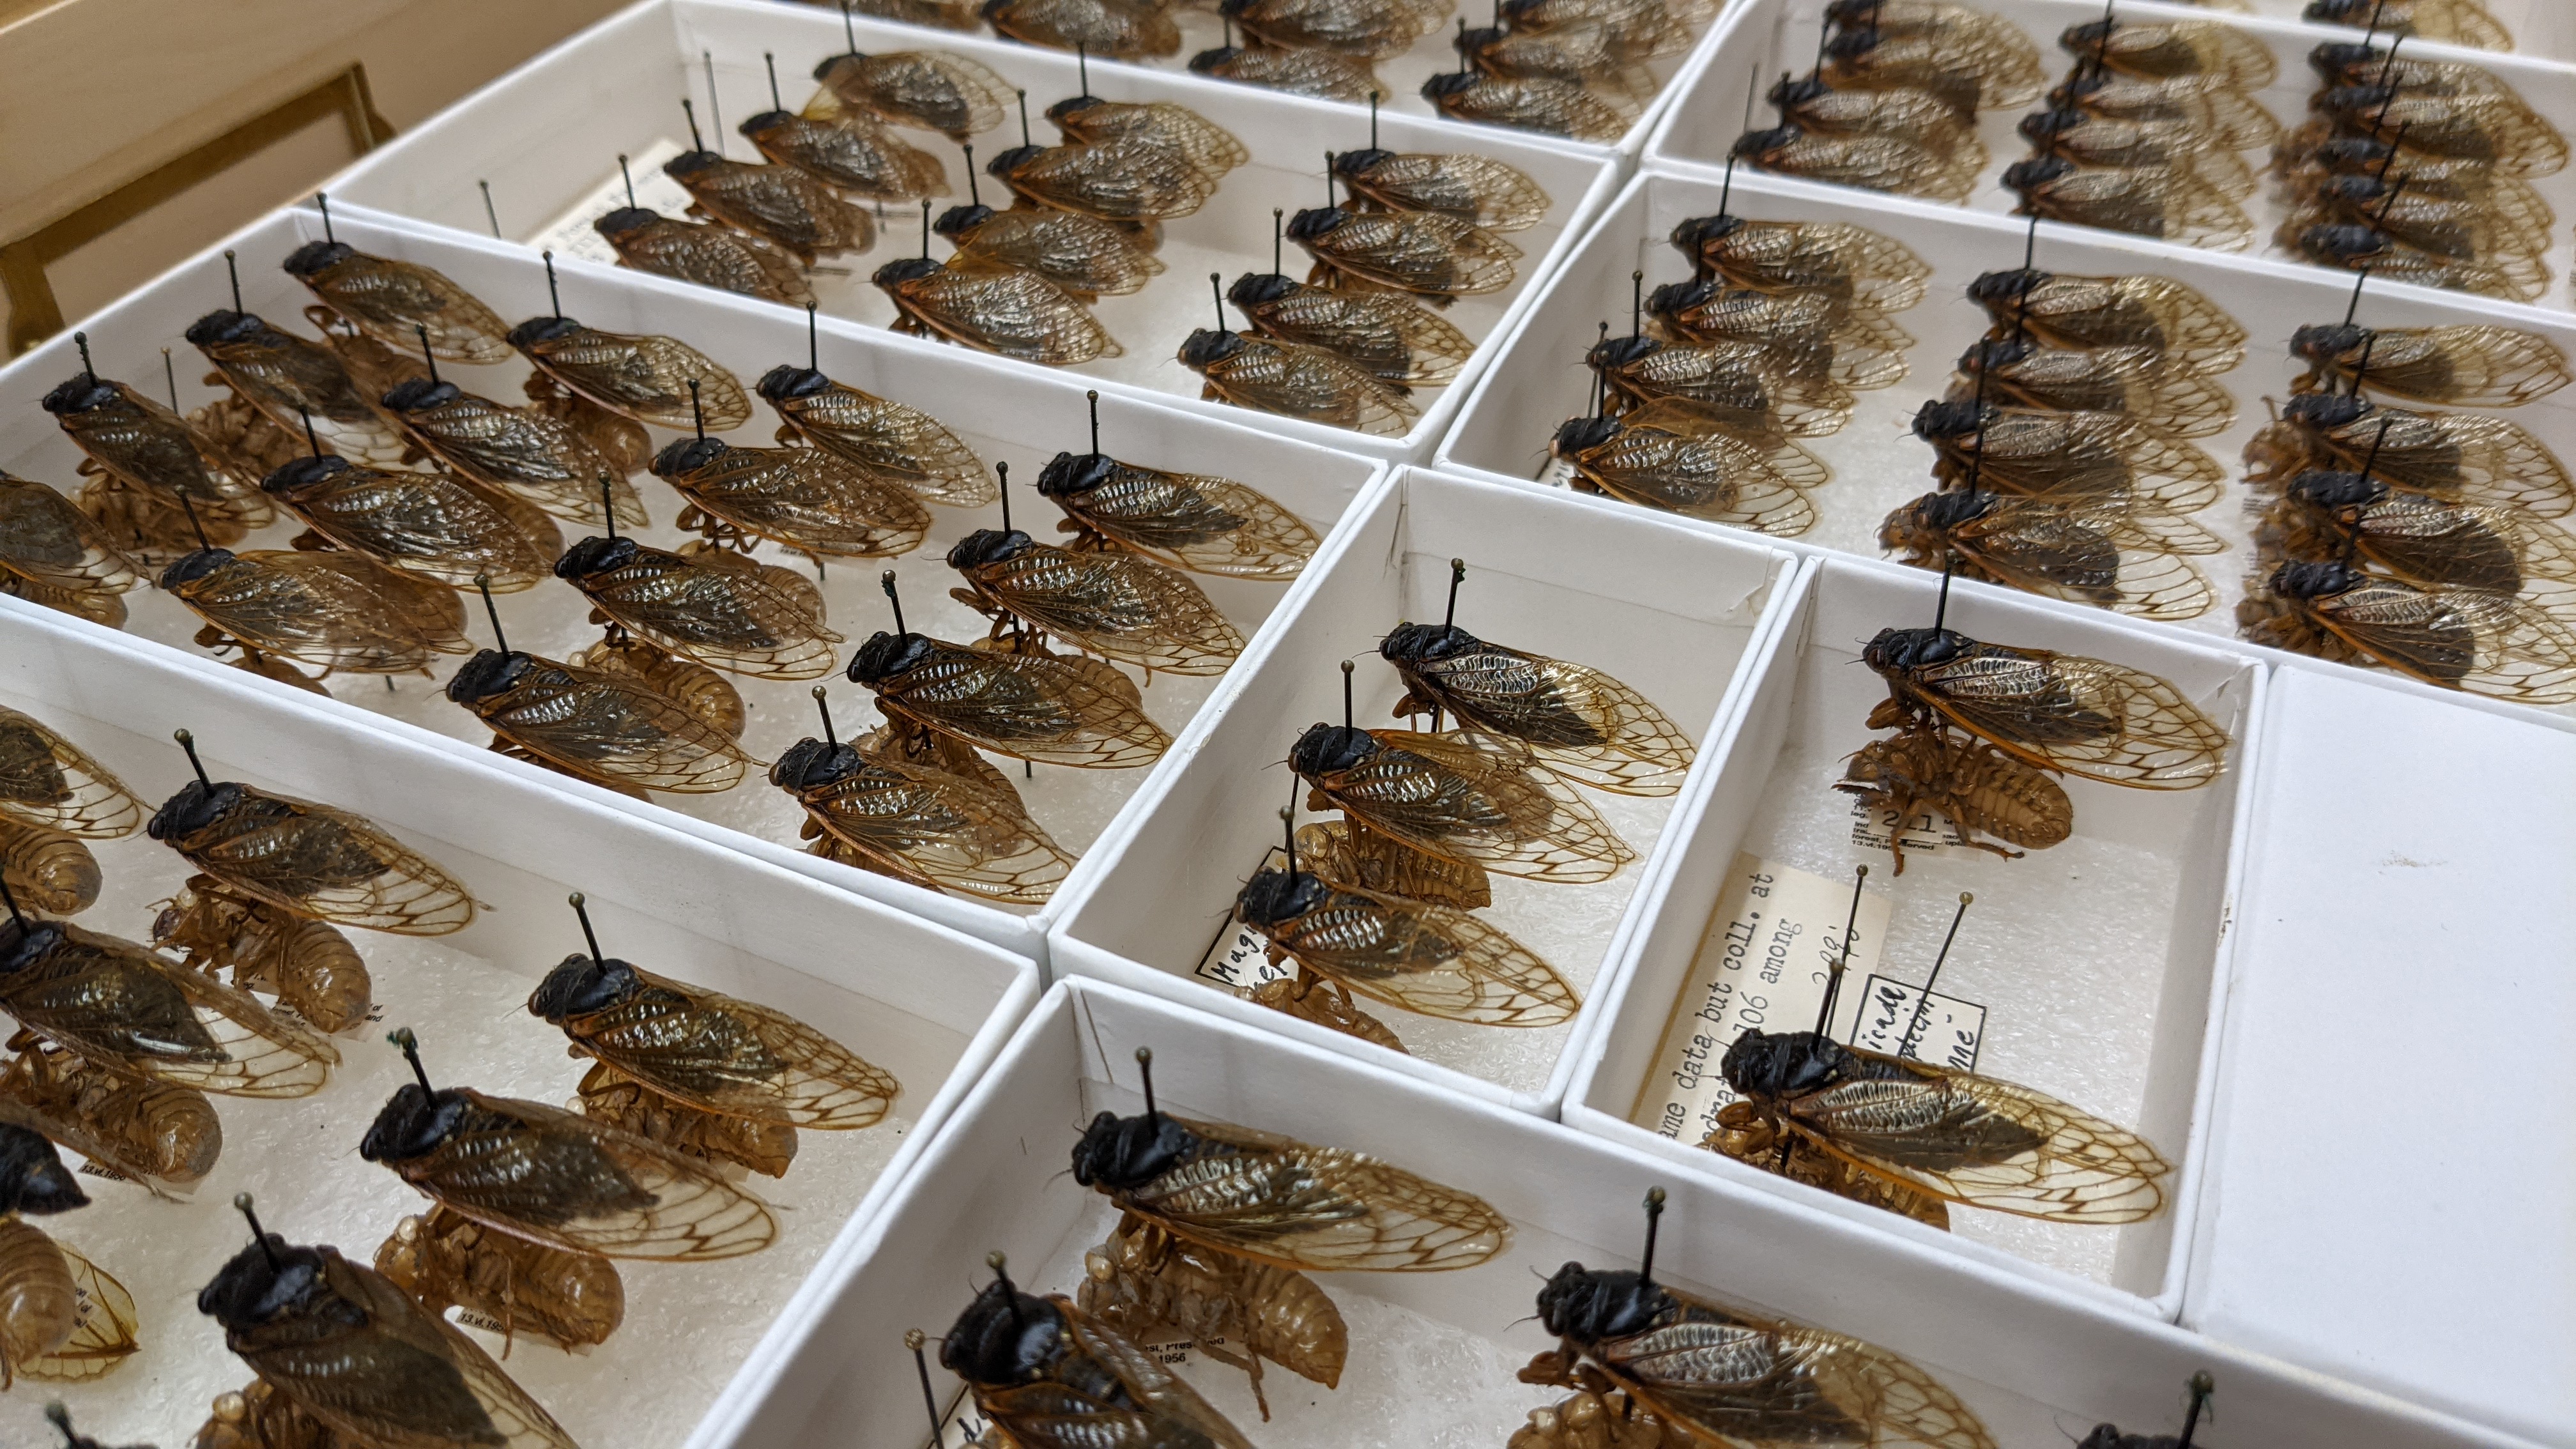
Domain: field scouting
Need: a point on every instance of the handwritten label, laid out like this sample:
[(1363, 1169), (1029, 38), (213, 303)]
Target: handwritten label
[(472, 1319), (1766, 957), (1239, 958), (1876, 827), (572, 235), (1896, 1021)]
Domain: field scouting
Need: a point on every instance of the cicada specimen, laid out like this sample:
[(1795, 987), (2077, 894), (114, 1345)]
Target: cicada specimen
[(1808, 336), (2357, 519), (657, 380), (1135, 183), (2017, 372), (292, 381), (1028, 706), (306, 964), (2177, 147), (1044, 1371), (48, 781), (388, 299), (853, 152), (1119, 606), (816, 502), (1474, 189), (358, 1356), (1979, 788), (148, 447), (2319, 151), (2119, 554), (2061, 712), (1972, 1140), (1239, 1198), (2477, 366), (1345, 853), (436, 526), (1145, 1282), (2465, 639), (1973, 62), (993, 308), (2361, 246), (1872, 163), (1355, 28), (308, 860), (1297, 72), (60, 1316), (1917, 115), (1085, 257), (929, 89), (1715, 1374), (1388, 334), (2494, 126), (700, 1062), (1117, 29), (1989, 42), (1474, 798), (1429, 254), (1418, 956), (448, 1260), (1087, 120), (888, 439), (151, 1132), (1584, 55), (47, 869), (2458, 456), (2232, 120), (2067, 456), (1647, 28), (1744, 1134), (1725, 384), (2489, 229), (52, 553), (1296, 380), (707, 254), (611, 727), (2167, 51), (1193, 521), (1582, 723), (2140, 200), (374, 368), (1667, 456), (783, 205), (1549, 107), (519, 451), (712, 605), (1851, 265), (122, 1008), (332, 611), (2460, 22), (934, 827), (2163, 317), (560, 1179)]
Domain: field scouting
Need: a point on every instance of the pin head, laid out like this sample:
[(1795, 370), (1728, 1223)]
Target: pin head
[(265, 1281)]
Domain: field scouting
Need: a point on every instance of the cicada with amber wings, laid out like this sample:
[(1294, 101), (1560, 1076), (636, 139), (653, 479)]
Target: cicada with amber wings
[(1089, 120), (1132, 183), (1582, 723), (2475, 366), (332, 611), (2176, 324), (2358, 519), (1474, 189), (660, 381), (1476, 798), (1668, 456), (2120, 554), (1871, 162), (1036, 707), (993, 308), (931, 89), (1428, 254), (61, 1316), (891, 440), (1295, 380), (2061, 712), (297, 384), (1389, 335), (1193, 521), (1806, 334), (852, 151), (1120, 606), (2015, 372), (1976, 60), (2466, 639), (525, 452), (136, 441), (1733, 385), (705, 253), (782, 205), (611, 727), (392, 300), (52, 553), (1118, 29), (438, 526), (935, 828), (1543, 104), (2464, 457), (47, 780), (2066, 456), (1851, 265), (712, 605), (1297, 72), (816, 502), (1085, 257)]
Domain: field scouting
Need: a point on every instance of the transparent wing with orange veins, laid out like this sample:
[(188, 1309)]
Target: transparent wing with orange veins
[(525, 452), (1296, 380), (645, 377), (2490, 644), (808, 498), (317, 860), (333, 610), (104, 1337), (47, 780), (1199, 522), (612, 726), (2087, 717), (385, 299), (1005, 310), (1486, 800), (944, 831), (1322, 1209), (1117, 181), (1421, 252), (898, 441), (1032, 707), (1125, 1399), (295, 380), (1582, 723), (118, 1005), (1473, 188), (52, 544), (1116, 605), (1986, 1143), (811, 1081), (1434, 959), (732, 616)]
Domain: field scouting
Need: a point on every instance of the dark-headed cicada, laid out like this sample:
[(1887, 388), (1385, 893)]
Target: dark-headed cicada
[(1582, 723), (610, 727), (332, 611), (851, 151), (1854, 266), (1120, 606), (2466, 639), (1806, 334), (145, 446), (2482, 121), (705, 253), (2477, 365), (783, 205), (1045, 1372), (1979, 788), (931, 89), (2461, 22), (1587, 56), (993, 308), (1429, 254), (1090, 121), (1484, 799), (2098, 142), (2221, 54), (1193, 521), (1295, 380), (1667, 456), (520, 451), (1085, 257), (1390, 335), (2168, 319), (2459, 456), (1527, 103), (2358, 519), (657, 380), (438, 526), (2016, 372), (1870, 162), (1118, 29), (2141, 201), (51, 553), (718, 607), (2119, 553), (915, 822), (392, 300), (297, 384), (1134, 183), (1927, 122), (61, 1316), (1475, 189), (2231, 119), (1371, 31), (2062, 712), (1038, 707), (891, 440), (1297, 72), (2067, 456), (816, 502), (2363, 246), (1729, 384)]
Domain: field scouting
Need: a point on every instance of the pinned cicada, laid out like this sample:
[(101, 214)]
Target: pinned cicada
[(888, 439), (783, 205), (2460, 456), (2466, 639), (707, 254), (1979, 788), (1117, 29), (993, 308), (1085, 257), (2486, 123), (2357, 519), (660, 381), (47, 780), (2166, 318), (1192, 521), (1133, 183), (1644, 28), (52, 553), (711, 605), (1089, 120), (1295, 380), (1360, 29), (1851, 265), (1042, 1370), (1297, 72), (2506, 230), (523, 452), (1806, 335), (2141, 201), (441, 527), (1430, 254), (611, 727), (61, 1316), (2477, 365), (297, 384), (930, 89), (2221, 54), (1725, 384), (148, 448), (1971, 60), (448, 1260), (391, 300), (1391, 336), (916, 822), (851, 151), (331, 611), (816, 502), (1473, 798), (2175, 147), (1870, 162), (1346, 853), (1474, 189), (2066, 456), (1667, 456), (2062, 712), (1582, 723), (1549, 107), (2363, 246), (2132, 381), (1921, 117), (2461, 22), (1119, 606), (1028, 706), (1587, 56), (2121, 554)]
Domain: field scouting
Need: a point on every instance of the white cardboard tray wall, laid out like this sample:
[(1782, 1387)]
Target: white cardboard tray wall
[(1676, 616), (548, 135), (927, 1003), (2037, 1364), (1761, 38), (1006, 415), (2404, 916), (1811, 695)]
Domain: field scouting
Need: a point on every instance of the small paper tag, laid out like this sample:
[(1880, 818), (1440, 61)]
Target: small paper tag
[(96, 1169), (1875, 827), (1239, 958), (1895, 1021), (472, 1319), (1769, 950), (572, 235)]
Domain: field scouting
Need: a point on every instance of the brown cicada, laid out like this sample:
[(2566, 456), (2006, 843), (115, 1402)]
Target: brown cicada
[(2159, 315), (1921, 118), (2357, 519), (2174, 147), (1585, 55), (852, 151), (1046, 1372), (1549, 107), (152, 1132), (2231, 119), (448, 1260), (1644, 28), (2016, 372), (937, 828), (390, 300), (332, 611), (1856, 267), (1979, 788), (520, 451), (147, 447), (707, 254), (1242, 1198), (611, 727), (1090, 121), (257, 1416), (2492, 125), (1475, 798), (1148, 1283), (438, 526), (1134, 183), (2368, 246), (1295, 380), (61, 1317), (1985, 59), (1120, 606), (1735, 385), (2459, 456), (783, 205), (297, 384), (2220, 53), (306, 964), (1029, 706), (47, 869), (560, 1179), (358, 1357), (2465, 639), (1359, 29), (993, 308), (2121, 554), (1714, 1374), (1667, 456), (1297, 72), (2066, 456), (1307, 997), (1193, 521), (47, 780), (1118, 29), (1582, 723), (1346, 853), (888, 439), (660, 381), (1390, 335), (1428, 254), (1806, 334), (2139, 201), (933, 90), (712, 605), (816, 502), (1085, 257), (2062, 712), (2477, 365), (1872, 163), (52, 553), (1477, 190)]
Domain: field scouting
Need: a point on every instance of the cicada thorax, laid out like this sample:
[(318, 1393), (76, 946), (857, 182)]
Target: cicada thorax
[(446, 1260), (618, 438), (609, 1096), (149, 1130), (1347, 853), (1234, 1310), (306, 964), (1298, 72), (47, 870), (1321, 1000), (1981, 790), (1530, 103), (707, 254), (1745, 1132)]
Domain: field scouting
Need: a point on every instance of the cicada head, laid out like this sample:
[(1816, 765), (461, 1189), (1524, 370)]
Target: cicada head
[(2316, 580), (1766, 142), (2353, 100), (1328, 749), (1117, 1153), (1450, 83), (489, 672), (26, 941), (1576, 435), (1847, 13), (1938, 421), (1072, 106), (810, 764), (2321, 343), (1274, 896), (2335, 491), (1677, 297), (1071, 474), (1695, 233), (2354, 153), (420, 395), (2087, 37), (2336, 59), (1997, 289), (1618, 352), (196, 806), (1425, 643), (1853, 42), (2324, 412), (886, 655), (786, 383), (1259, 289), (823, 68), (1004, 1337), (1592, 1306), (32, 1176), (909, 269), (194, 565), (581, 984), (2043, 127), (1941, 512), (1004, 163), (956, 221), (1896, 650), (541, 329), (1770, 1065), (1205, 348), (764, 123), (1468, 42), (1989, 354), (414, 1120), (691, 163), (596, 555), (625, 221), (263, 1283), (224, 325), (2030, 175), (1315, 221), (2343, 243), (1788, 93), (1356, 165), (316, 257), (687, 455), (79, 395), (989, 546), (2357, 191), (300, 476)]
